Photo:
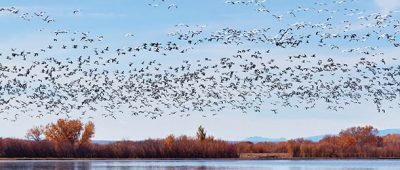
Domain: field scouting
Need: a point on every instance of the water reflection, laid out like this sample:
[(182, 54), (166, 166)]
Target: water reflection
[(201, 165), (45, 165)]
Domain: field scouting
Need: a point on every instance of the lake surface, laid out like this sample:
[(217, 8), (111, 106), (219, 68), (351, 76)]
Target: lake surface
[(203, 164)]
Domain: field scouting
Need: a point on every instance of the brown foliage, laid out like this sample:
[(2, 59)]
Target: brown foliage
[(64, 131), (88, 133), (64, 139), (68, 133), (35, 133), (355, 142)]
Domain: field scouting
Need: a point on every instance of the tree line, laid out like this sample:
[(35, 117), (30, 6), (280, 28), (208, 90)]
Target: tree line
[(354, 142), (72, 139)]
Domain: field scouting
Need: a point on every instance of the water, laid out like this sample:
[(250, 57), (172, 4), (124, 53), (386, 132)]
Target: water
[(202, 165)]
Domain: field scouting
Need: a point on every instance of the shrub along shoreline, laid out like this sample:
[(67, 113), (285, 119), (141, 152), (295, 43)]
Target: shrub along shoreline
[(71, 139)]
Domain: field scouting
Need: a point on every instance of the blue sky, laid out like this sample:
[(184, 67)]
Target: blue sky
[(113, 19)]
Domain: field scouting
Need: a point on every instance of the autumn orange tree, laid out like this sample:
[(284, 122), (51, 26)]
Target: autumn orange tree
[(72, 132), (360, 136), (169, 141)]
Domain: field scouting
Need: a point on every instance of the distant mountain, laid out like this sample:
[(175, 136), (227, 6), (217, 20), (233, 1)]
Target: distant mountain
[(103, 142), (317, 138), (388, 131), (257, 139)]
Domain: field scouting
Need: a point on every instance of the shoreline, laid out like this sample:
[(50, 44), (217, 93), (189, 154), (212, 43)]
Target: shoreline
[(184, 159)]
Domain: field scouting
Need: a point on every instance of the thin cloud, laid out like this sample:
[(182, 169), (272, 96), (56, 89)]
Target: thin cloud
[(388, 5)]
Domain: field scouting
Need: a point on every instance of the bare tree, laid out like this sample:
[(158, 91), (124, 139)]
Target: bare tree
[(201, 133), (35, 133)]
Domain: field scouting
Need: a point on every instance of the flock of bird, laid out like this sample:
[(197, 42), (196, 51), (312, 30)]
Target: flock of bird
[(157, 3), (97, 78)]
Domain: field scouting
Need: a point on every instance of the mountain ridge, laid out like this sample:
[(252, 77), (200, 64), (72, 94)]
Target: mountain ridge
[(256, 139)]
